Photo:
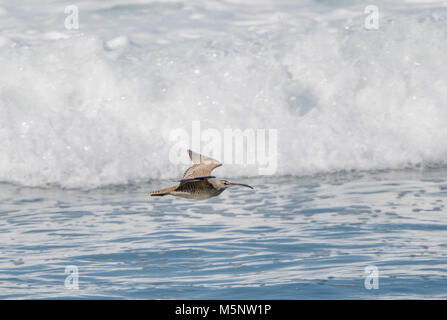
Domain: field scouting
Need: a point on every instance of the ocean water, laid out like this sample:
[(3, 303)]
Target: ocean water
[(86, 117), (292, 238)]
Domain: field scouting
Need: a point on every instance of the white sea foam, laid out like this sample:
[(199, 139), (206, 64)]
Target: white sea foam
[(95, 106)]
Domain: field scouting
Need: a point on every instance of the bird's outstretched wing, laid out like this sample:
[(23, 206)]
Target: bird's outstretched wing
[(195, 186), (202, 166), (196, 179)]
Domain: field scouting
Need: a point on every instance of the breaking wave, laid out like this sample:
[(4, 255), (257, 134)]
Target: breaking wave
[(96, 106)]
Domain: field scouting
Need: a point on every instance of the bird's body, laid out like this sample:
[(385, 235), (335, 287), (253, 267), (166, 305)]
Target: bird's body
[(197, 183)]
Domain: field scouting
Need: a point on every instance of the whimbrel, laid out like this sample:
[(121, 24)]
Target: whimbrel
[(197, 182)]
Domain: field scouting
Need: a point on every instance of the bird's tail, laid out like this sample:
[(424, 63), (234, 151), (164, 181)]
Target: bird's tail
[(162, 192)]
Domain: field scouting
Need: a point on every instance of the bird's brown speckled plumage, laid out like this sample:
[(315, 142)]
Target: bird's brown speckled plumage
[(197, 182)]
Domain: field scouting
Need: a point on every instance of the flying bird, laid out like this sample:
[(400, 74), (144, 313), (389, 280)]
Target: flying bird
[(197, 182)]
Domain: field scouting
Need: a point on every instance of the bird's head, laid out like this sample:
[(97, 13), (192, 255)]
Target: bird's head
[(223, 184)]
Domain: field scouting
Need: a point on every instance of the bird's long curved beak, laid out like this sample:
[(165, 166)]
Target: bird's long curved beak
[(240, 185)]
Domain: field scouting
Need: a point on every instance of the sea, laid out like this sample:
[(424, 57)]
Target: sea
[(94, 93)]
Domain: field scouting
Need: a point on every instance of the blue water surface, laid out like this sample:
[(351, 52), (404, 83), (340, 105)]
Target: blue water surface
[(289, 238)]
